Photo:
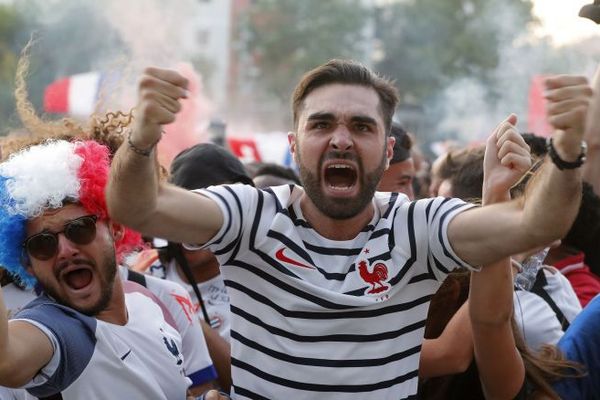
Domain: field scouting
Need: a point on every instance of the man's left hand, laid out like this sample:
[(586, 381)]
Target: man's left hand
[(506, 159)]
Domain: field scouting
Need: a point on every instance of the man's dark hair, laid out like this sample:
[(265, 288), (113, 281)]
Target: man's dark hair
[(351, 73), (464, 169), (5, 277), (402, 145), (278, 171), (467, 177), (537, 144)]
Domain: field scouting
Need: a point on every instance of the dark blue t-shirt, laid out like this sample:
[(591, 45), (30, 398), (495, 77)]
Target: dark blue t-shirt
[(581, 343)]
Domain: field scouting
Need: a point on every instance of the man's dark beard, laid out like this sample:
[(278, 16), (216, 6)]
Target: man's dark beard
[(340, 208), (109, 266)]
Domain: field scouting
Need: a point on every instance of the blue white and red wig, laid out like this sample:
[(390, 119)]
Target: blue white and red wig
[(44, 177)]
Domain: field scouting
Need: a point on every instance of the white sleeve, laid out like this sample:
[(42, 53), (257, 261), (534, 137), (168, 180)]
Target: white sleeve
[(438, 212), (238, 205)]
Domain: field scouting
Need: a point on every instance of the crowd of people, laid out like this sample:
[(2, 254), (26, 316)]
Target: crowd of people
[(211, 279)]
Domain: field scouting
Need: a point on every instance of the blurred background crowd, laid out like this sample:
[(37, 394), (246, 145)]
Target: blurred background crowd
[(460, 65)]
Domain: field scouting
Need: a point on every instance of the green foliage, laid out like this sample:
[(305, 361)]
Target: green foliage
[(286, 38), (74, 41), (430, 43), (60, 27), (12, 25)]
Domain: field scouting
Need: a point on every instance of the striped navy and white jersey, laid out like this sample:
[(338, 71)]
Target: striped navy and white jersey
[(319, 318)]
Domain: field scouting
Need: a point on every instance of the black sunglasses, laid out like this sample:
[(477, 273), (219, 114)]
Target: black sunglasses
[(44, 245)]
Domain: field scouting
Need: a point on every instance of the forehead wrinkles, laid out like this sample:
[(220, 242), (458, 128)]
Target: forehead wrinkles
[(54, 219), (343, 101)]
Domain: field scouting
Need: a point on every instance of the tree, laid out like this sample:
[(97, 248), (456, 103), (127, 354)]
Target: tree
[(429, 43), (56, 53), (13, 32), (286, 38)]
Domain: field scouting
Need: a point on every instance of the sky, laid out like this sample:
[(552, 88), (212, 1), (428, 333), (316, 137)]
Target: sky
[(560, 20)]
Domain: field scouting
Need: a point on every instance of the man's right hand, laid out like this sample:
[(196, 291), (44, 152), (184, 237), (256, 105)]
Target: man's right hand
[(159, 93)]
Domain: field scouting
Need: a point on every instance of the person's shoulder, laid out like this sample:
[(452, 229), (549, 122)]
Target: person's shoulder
[(60, 319), (237, 188), (385, 200), (42, 304), (163, 287), (554, 277), (285, 194)]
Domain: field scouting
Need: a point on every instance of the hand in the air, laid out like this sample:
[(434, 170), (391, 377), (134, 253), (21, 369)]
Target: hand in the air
[(158, 103), (507, 158)]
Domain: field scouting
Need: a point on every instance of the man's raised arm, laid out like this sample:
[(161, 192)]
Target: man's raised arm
[(135, 196), (591, 169), (546, 212), (24, 350)]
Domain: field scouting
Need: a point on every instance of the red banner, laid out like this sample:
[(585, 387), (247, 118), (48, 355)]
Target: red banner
[(536, 121)]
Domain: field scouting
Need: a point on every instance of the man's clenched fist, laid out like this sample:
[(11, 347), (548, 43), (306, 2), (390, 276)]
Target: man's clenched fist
[(159, 93), (568, 99)]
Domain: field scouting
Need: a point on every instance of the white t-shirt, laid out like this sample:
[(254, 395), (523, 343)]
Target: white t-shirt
[(535, 318), (214, 295), (318, 318), (94, 359), (15, 394), (198, 364)]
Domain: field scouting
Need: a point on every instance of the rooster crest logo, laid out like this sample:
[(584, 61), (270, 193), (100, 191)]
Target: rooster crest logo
[(376, 278), (172, 347)]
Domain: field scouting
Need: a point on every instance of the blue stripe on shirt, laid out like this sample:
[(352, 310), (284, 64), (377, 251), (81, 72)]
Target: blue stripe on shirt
[(204, 375)]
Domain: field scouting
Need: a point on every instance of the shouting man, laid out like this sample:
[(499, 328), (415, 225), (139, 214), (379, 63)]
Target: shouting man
[(330, 283)]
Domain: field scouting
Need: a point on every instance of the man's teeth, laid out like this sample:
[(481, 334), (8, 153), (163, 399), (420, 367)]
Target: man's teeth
[(340, 187), (340, 166)]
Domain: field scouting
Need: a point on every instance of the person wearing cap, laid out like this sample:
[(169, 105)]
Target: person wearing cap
[(330, 282), (219, 166), (400, 174)]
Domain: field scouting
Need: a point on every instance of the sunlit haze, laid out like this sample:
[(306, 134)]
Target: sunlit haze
[(560, 20)]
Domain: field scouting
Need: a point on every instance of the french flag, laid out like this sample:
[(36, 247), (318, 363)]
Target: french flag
[(75, 95)]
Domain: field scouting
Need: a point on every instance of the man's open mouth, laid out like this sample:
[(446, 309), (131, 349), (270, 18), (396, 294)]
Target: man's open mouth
[(78, 278), (340, 177)]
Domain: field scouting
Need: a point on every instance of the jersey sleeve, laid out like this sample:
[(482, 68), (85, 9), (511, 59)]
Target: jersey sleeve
[(436, 214), (198, 364), (238, 204), (73, 337)]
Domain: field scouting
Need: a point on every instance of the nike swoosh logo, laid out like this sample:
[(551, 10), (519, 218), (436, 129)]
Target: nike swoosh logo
[(283, 258), (125, 355)]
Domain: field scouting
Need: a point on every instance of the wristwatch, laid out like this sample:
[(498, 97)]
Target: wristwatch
[(562, 164)]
